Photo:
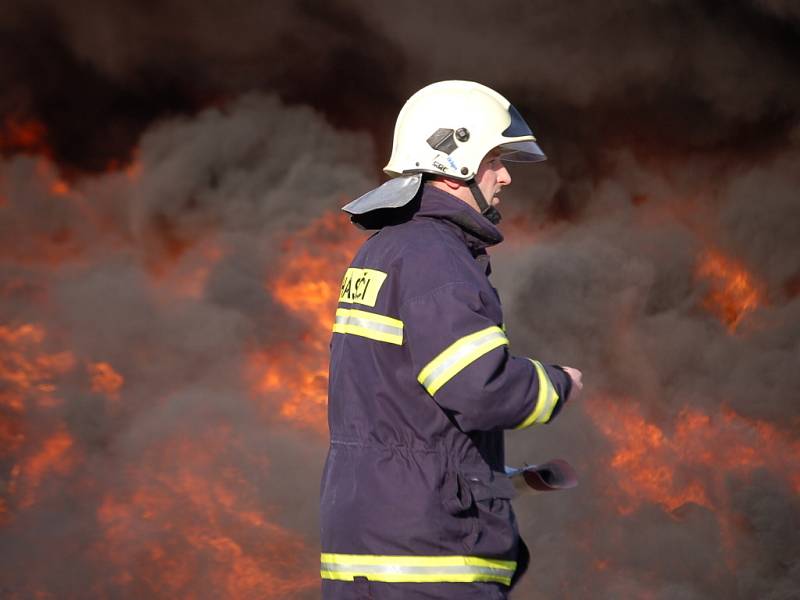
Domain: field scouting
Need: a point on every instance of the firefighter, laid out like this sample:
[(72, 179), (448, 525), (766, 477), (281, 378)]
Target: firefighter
[(414, 499)]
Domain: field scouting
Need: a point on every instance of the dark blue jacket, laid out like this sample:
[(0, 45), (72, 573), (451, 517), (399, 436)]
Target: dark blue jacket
[(422, 386)]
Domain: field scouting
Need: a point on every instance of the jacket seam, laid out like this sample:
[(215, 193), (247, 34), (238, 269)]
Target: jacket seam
[(355, 444)]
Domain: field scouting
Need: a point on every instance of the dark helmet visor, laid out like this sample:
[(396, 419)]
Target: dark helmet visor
[(527, 151), (518, 127)]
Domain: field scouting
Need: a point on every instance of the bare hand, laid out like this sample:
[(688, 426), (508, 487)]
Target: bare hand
[(577, 380)]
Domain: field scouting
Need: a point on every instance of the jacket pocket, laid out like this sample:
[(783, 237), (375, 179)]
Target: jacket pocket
[(481, 506), (484, 488)]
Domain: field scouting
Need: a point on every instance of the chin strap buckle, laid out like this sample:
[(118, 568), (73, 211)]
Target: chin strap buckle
[(490, 212)]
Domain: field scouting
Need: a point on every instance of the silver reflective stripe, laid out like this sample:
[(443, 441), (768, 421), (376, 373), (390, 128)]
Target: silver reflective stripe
[(404, 570), (368, 324), (462, 353), (417, 569)]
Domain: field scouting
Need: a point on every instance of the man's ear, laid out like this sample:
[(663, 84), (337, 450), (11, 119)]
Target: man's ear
[(451, 183)]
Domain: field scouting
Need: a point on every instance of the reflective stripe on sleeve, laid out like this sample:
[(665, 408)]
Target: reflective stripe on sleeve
[(419, 569), (545, 402), (368, 325), (458, 355)]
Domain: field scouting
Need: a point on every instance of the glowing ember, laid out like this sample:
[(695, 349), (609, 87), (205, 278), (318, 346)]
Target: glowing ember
[(600, 565), (733, 293), (23, 135), (133, 171), (59, 188), (105, 380), (308, 287)]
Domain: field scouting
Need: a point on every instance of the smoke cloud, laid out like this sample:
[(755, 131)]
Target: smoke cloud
[(161, 167)]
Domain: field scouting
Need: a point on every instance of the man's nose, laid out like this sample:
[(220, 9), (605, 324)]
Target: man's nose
[(503, 176)]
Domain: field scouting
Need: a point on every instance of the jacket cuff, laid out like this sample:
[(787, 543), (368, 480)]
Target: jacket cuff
[(561, 380)]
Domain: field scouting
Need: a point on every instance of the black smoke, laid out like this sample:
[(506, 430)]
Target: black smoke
[(671, 127)]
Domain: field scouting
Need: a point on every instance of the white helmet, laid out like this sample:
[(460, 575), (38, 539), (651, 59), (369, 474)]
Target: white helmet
[(447, 128)]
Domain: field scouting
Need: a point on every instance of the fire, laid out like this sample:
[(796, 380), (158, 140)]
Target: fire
[(54, 457), (59, 242), (644, 460), (105, 380), (601, 565), (27, 376), (190, 522), (23, 135), (297, 379), (184, 272), (133, 171), (733, 292), (688, 464), (187, 514), (307, 286), (59, 188)]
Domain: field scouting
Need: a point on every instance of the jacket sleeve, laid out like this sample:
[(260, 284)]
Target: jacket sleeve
[(460, 357)]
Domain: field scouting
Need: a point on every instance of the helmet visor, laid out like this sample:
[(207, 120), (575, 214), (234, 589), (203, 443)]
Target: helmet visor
[(518, 127), (522, 150)]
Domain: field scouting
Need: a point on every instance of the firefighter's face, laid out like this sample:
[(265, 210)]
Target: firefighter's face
[(492, 176)]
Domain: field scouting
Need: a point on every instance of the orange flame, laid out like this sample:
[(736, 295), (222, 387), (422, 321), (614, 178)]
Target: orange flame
[(25, 375), (28, 389), (54, 456), (687, 465), (185, 272), (309, 280), (734, 293), (59, 188), (105, 380), (307, 286), (56, 244), (23, 135), (205, 523), (644, 458), (134, 170)]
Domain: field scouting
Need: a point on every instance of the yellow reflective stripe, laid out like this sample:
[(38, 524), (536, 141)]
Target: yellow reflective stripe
[(545, 402), (431, 569), (458, 355), (368, 325)]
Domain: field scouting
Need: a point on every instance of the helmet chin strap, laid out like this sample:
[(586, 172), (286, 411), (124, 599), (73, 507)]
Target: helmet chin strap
[(490, 212)]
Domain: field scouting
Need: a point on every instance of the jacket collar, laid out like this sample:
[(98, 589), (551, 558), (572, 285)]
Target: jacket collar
[(478, 232)]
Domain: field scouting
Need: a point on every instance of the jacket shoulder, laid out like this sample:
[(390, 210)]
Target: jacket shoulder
[(422, 255)]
